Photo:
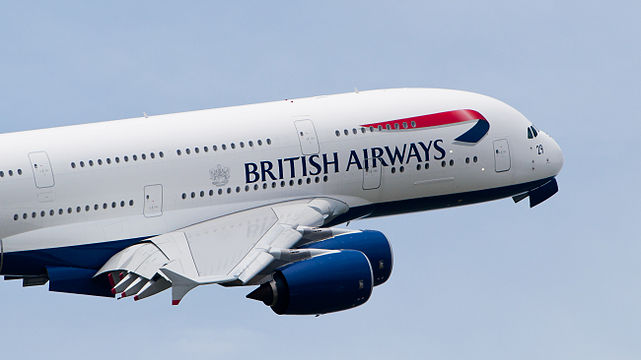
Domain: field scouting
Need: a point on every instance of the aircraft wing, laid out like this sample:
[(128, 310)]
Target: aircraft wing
[(236, 249)]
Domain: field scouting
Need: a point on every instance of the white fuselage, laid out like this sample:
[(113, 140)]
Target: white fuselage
[(136, 178)]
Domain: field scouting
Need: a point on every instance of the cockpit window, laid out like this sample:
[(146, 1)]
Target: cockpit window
[(532, 132)]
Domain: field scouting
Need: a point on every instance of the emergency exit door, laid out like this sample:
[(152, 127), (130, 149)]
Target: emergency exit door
[(372, 177), (307, 137), (153, 200), (502, 161), (41, 167)]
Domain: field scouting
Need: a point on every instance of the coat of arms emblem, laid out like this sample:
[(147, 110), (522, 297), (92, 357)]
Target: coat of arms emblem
[(220, 175)]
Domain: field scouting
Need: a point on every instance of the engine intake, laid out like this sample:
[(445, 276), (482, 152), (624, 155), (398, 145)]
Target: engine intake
[(327, 283)]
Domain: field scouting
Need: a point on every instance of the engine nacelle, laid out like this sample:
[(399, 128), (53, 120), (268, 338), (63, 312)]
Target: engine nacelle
[(323, 284), (372, 243)]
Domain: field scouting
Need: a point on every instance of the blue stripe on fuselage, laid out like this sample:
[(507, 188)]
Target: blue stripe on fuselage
[(90, 256)]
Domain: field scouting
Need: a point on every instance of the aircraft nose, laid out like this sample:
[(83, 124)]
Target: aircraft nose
[(555, 156)]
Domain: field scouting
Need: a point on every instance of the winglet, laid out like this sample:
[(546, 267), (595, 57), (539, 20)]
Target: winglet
[(180, 285)]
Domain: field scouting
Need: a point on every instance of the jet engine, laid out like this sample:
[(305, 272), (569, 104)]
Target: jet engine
[(340, 279)]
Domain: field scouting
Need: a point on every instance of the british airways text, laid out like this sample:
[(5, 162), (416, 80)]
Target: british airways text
[(324, 163)]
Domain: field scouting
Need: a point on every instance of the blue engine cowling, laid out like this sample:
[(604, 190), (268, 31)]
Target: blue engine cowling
[(371, 243), (323, 284)]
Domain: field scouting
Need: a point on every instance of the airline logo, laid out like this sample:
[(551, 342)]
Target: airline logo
[(447, 118), (220, 175)]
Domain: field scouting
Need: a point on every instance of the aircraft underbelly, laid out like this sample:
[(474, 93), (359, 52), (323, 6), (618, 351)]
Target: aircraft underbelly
[(1, 256)]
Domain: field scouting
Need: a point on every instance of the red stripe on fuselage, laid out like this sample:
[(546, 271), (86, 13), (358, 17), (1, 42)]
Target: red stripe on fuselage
[(425, 121)]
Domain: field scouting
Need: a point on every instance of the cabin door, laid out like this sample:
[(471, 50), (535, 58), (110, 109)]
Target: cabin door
[(307, 137), (372, 177), (502, 161), (41, 167), (153, 201)]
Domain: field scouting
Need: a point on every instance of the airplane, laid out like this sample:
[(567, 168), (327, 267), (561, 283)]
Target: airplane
[(253, 195)]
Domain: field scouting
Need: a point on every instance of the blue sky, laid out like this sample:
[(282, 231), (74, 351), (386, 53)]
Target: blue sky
[(489, 281)]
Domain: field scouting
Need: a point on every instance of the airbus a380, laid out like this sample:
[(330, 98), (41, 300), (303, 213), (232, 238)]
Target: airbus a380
[(252, 195)]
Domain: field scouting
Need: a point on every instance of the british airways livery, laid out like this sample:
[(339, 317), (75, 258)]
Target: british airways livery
[(252, 195)]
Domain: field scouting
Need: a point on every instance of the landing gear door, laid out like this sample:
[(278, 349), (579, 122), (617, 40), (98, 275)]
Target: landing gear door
[(153, 201), (372, 178), (502, 161), (307, 137), (41, 167)]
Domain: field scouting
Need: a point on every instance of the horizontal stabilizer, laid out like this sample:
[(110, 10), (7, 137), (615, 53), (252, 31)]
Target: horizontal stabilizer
[(29, 280)]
